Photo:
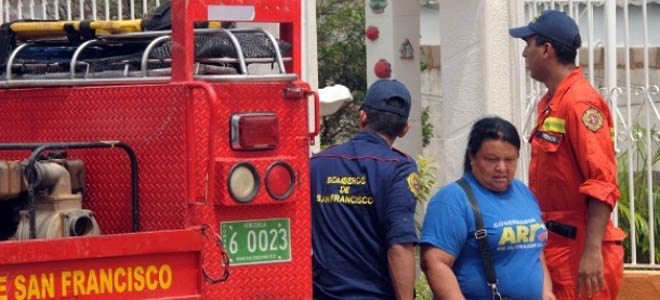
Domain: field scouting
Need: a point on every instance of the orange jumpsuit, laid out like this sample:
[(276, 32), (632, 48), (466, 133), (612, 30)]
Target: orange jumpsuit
[(572, 158)]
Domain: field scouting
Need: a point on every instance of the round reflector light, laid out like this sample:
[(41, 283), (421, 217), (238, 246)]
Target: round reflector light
[(280, 180), (243, 182)]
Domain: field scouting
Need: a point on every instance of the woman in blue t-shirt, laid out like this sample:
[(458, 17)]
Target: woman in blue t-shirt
[(511, 216)]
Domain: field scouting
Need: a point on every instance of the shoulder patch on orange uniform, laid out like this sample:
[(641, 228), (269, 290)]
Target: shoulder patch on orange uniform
[(413, 183), (592, 119)]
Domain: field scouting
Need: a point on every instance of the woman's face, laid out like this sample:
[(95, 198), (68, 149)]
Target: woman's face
[(495, 164)]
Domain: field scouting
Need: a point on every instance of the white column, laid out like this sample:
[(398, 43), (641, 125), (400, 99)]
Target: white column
[(479, 67), (398, 22), (310, 66), (610, 57), (611, 72)]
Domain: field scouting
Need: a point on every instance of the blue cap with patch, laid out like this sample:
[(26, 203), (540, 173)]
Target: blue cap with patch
[(382, 91), (554, 25)]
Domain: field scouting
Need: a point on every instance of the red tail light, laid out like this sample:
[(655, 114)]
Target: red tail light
[(254, 131), (280, 180)]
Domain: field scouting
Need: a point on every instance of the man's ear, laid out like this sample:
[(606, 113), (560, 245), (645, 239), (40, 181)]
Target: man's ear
[(548, 50), (362, 118), (405, 130)]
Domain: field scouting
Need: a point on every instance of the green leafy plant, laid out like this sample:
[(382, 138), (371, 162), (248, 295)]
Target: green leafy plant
[(423, 64), (427, 127), (640, 193), (426, 169), (422, 288), (342, 59)]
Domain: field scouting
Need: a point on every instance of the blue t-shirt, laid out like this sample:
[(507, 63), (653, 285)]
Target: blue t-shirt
[(516, 236), (362, 203)]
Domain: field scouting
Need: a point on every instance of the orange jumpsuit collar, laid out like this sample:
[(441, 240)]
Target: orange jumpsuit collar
[(563, 87)]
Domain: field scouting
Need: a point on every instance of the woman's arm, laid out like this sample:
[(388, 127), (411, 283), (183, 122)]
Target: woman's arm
[(547, 281), (437, 264)]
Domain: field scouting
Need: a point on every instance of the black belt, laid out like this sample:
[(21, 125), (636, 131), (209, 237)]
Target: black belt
[(565, 230)]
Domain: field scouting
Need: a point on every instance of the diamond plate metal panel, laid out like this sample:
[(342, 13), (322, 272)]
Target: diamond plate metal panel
[(168, 127), (148, 118), (290, 280), (201, 138)]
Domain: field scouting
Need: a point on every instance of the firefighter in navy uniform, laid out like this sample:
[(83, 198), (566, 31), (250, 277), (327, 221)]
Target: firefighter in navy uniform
[(363, 203)]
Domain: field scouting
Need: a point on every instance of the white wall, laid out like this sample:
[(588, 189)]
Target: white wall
[(477, 66), (398, 22), (480, 71), (429, 24)]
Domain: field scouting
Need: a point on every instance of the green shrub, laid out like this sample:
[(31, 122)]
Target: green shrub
[(426, 170), (640, 193), (422, 288), (427, 127)]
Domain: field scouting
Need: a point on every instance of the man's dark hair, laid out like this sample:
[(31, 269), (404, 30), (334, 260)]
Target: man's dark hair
[(489, 128), (386, 123), (565, 54)]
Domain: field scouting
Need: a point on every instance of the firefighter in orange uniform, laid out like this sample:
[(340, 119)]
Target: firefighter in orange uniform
[(573, 166)]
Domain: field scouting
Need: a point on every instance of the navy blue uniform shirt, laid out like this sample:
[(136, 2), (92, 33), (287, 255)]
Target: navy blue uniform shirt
[(363, 202)]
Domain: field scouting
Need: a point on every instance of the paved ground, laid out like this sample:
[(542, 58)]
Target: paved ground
[(640, 285)]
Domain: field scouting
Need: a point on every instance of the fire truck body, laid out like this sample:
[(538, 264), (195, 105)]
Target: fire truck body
[(222, 206)]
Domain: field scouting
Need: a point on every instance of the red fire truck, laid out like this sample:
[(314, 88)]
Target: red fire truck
[(179, 172)]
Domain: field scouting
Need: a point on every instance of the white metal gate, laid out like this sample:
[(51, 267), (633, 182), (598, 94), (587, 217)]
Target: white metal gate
[(620, 57), (75, 9)]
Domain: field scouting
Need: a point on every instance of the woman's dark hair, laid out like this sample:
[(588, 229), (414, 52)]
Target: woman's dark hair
[(489, 128), (565, 54)]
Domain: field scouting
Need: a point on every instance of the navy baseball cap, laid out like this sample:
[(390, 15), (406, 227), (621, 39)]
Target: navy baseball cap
[(383, 90), (554, 25)]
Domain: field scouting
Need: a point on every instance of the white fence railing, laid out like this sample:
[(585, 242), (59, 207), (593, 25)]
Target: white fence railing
[(618, 38), (11, 10)]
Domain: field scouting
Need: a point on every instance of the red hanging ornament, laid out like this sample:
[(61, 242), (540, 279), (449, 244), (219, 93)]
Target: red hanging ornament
[(383, 69), (372, 33)]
